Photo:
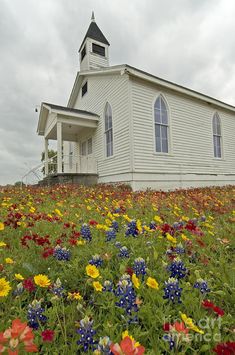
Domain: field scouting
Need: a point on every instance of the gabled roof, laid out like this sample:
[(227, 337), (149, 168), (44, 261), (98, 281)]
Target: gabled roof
[(68, 109), (95, 33), (138, 73), (62, 111)]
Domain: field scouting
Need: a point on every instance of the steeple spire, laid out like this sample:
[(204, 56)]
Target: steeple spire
[(92, 17)]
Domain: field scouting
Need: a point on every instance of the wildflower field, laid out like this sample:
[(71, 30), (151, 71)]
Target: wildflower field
[(103, 270)]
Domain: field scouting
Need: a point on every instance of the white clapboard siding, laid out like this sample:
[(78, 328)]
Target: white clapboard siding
[(93, 60), (191, 139), (112, 89)]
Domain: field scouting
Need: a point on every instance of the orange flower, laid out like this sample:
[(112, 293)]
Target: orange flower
[(19, 332), (128, 346)]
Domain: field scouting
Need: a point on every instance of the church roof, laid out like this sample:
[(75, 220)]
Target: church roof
[(68, 109), (95, 33)]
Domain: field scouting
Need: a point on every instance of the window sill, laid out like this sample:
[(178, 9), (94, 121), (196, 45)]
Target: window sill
[(163, 154), (218, 159), (108, 158), (99, 55)]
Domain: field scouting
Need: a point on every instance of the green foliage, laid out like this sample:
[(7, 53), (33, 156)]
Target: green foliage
[(36, 219)]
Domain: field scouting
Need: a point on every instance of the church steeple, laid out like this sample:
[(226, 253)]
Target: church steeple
[(94, 48)]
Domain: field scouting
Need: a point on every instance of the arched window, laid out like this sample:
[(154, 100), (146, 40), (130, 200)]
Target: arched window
[(217, 135), (161, 125), (108, 131)]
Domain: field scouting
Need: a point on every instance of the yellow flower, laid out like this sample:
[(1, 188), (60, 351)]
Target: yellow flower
[(19, 277), (2, 244), (151, 282), (157, 219), (81, 242), (58, 212), (92, 271), (42, 280), (135, 280), (97, 286), (171, 239), (128, 219), (4, 287), (138, 225), (9, 261), (147, 229), (32, 210), (2, 226), (190, 324), (184, 237), (110, 216), (74, 296)]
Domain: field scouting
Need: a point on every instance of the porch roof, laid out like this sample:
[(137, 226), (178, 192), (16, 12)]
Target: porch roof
[(73, 120)]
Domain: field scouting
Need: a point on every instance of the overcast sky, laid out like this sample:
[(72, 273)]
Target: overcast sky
[(189, 42)]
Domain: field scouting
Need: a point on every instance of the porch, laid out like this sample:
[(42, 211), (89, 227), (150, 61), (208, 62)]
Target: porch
[(65, 124)]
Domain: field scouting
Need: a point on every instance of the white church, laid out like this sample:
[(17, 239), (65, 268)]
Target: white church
[(123, 125)]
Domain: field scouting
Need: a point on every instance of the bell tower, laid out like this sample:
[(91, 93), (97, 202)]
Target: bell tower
[(94, 50)]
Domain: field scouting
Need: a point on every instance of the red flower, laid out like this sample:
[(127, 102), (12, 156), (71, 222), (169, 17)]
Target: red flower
[(211, 305), (19, 332), (29, 285), (47, 252), (92, 222), (129, 271), (166, 327), (225, 348), (48, 335), (219, 311), (127, 347)]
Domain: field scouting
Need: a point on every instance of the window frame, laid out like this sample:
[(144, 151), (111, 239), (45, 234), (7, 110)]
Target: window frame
[(101, 54), (83, 52), (217, 135), (107, 132), (89, 152), (161, 124), (82, 91)]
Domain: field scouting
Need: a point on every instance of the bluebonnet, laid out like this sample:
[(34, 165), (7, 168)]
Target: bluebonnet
[(123, 252), (169, 338), (118, 245), (177, 269), (178, 225), (115, 226), (132, 229), (104, 346), (152, 225), (35, 315), (87, 333), (108, 286), (202, 286), (139, 266), (179, 249), (57, 289), (172, 290), (86, 232), (127, 297), (62, 254), (110, 234), (19, 289), (96, 260)]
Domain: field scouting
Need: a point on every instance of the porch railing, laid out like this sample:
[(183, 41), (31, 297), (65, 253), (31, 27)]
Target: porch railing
[(83, 164)]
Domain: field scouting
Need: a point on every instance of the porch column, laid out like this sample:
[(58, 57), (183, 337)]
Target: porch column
[(59, 147), (46, 156)]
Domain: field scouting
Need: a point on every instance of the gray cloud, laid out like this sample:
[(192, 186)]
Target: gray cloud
[(189, 42)]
